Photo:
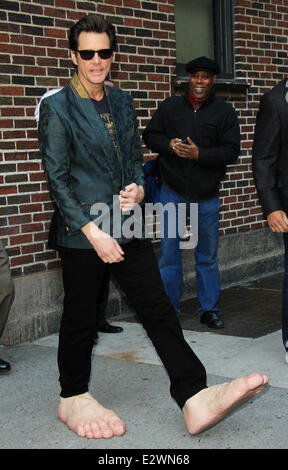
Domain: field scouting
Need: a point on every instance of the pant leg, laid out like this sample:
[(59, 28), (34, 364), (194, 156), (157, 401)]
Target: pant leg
[(285, 296), (6, 288), (84, 276), (170, 259), (103, 301), (206, 252), (139, 277)]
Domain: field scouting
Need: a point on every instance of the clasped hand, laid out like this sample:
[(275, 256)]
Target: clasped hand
[(278, 221), (189, 150), (132, 195)]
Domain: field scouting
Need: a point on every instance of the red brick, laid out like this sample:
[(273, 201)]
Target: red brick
[(54, 12), (132, 22), (4, 38), (12, 112), (19, 219), (29, 144), (30, 208), (42, 217), (20, 260), (12, 90), (34, 51), (37, 177), (131, 3), (45, 42), (8, 189), (106, 9), (14, 135), (54, 264), (58, 53), (31, 228), (11, 49), (6, 124), (166, 8), (43, 196), (67, 4), (19, 239), (34, 71), (55, 33), (43, 236), (35, 248), (4, 231)]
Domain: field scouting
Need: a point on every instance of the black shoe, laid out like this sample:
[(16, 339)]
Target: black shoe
[(212, 319), (4, 366), (107, 328)]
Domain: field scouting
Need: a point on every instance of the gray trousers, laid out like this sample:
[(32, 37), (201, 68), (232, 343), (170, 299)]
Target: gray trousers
[(6, 288)]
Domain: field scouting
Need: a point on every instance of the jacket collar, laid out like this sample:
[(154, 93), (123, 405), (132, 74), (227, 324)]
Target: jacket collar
[(79, 89), (207, 100)]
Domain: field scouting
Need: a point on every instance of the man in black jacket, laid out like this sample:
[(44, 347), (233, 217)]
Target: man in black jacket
[(191, 172), (270, 169)]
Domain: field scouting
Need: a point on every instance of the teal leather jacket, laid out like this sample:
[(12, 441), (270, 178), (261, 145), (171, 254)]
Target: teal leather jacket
[(81, 163)]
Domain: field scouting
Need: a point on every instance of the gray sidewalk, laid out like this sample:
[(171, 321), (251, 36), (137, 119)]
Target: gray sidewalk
[(128, 377)]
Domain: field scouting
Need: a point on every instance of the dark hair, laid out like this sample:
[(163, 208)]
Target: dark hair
[(92, 24)]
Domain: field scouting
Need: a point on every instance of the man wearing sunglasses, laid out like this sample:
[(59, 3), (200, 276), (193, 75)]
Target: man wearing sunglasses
[(102, 324), (91, 151)]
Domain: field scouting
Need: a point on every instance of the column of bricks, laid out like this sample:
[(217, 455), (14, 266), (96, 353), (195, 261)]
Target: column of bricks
[(33, 58)]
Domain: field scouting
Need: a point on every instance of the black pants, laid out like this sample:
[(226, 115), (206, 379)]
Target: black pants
[(103, 302), (138, 276)]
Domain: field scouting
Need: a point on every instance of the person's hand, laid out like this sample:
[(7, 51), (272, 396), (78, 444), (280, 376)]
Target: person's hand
[(105, 246), (172, 144), (278, 221), (189, 150), (132, 195)]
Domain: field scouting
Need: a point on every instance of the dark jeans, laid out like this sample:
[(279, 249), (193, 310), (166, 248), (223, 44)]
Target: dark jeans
[(139, 278), (285, 296)]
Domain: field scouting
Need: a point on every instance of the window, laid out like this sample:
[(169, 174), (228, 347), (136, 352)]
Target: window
[(204, 27)]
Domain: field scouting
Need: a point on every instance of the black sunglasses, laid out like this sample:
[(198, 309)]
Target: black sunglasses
[(89, 54)]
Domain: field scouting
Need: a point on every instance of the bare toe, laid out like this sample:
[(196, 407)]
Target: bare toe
[(96, 431), (117, 426), (107, 433), (80, 430), (88, 431)]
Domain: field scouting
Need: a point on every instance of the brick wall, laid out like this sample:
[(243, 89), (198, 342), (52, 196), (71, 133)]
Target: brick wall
[(34, 57)]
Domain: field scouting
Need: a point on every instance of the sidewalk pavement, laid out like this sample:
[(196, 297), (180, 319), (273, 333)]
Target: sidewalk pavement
[(128, 377)]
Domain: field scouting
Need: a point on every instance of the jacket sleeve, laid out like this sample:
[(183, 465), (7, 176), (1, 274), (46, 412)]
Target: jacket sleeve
[(54, 141), (228, 148), (155, 135), (265, 154)]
